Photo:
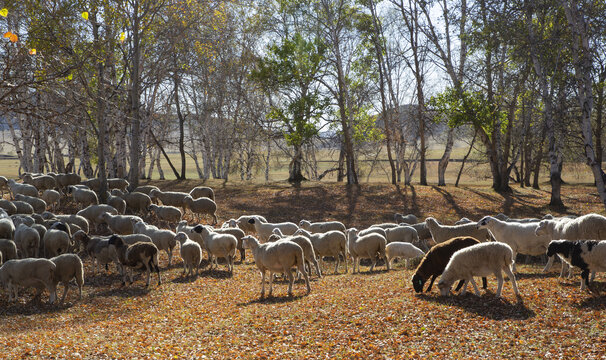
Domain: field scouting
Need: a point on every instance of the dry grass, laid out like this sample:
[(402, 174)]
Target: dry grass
[(366, 316)]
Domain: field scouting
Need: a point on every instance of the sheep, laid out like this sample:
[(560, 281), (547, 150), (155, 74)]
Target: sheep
[(590, 226), (98, 249), (8, 206), (77, 220), (479, 260), (433, 263), (332, 243), (305, 243), (277, 257), (37, 204), (218, 245), (170, 198), (23, 189), (120, 224), (117, 183), (242, 222), (408, 219), (52, 198), (505, 218), (264, 230), (441, 233), (163, 239), (401, 249), (136, 256), (367, 246), (372, 230), (146, 189), (64, 180), (384, 225), (27, 241), (201, 206), (3, 185), (520, 237), (462, 221), (42, 182), (587, 255), (7, 228), (23, 207), (28, 272), (56, 242), (116, 202), (231, 223), (82, 196), (170, 214), (41, 231), (69, 266), (404, 234), (321, 227), (202, 191), (23, 219), (92, 213), (190, 252), (239, 234), (8, 248), (136, 202)]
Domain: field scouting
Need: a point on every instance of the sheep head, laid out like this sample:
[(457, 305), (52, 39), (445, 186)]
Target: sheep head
[(542, 228), (483, 223), (417, 283)]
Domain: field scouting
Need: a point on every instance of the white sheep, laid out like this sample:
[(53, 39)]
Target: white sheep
[(385, 226), (41, 182), (83, 197), (231, 223), (218, 245), (23, 189), (372, 230), (137, 256), (135, 201), (77, 220), (37, 204), (116, 202), (120, 224), (322, 227), (64, 180), (239, 234), (201, 206), (26, 273), (162, 238), (587, 255), (146, 189), (23, 207), (408, 219), (93, 213), (520, 237), (8, 248), (264, 230), (69, 266), (170, 198), (56, 242), (190, 252), (366, 247), (7, 228), (170, 214), (404, 234), (242, 222), (479, 260), (590, 226), (403, 250), (441, 233), (304, 242), (332, 243), (117, 183), (52, 198), (202, 191), (277, 257), (27, 241), (8, 206)]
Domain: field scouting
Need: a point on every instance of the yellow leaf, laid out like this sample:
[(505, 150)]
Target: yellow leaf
[(14, 38), (70, 76), (122, 37), (32, 51), (4, 12), (85, 15), (8, 34)]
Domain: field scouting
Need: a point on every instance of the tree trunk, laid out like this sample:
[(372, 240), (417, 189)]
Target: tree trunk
[(100, 103), (181, 127), (445, 158), (295, 168), (135, 100)]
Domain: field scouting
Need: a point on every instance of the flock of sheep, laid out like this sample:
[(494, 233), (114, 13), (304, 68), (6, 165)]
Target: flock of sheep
[(41, 249)]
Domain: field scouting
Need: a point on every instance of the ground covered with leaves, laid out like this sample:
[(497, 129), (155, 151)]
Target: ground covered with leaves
[(366, 316)]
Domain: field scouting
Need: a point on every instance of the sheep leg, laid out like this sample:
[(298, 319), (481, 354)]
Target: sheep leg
[(307, 282), (459, 285), (53, 293), (584, 279), (549, 264), (433, 278), (475, 286), (514, 262), (592, 276), (271, 281), (263, 283), (315, 262), (148, 270), (291, 279), (484, 283), (463, 284), (407, 262), (374, 262), (66, 285), (512, 277), (170, 255)]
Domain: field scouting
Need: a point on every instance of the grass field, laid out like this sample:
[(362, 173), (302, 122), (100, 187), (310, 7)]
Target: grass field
[(361, 316)]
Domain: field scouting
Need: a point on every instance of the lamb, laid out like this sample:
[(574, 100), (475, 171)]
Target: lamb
[(441, 233), (367, 246), (202, 191), (163, 239), (308, 250), (587, 255), (42, 182), (27, 241), (93, 213), (136, 256), (201, 206), (7, 228), (52, 198), (146, 189), (433, 263), (117, 203), (332, 243), (239, 234), (170, 214), (218, 245), (322, 227), (264, 230), (479, 260), (56, 242), (8, 206), (23, 207), (408, 219), (8, 249), (231, 223), (23, 189), (82, 196), (242, 222), (190, 252), (120, 224), (38, 205), (69, 266), (170, 198), (136, 202), (401, 249), (28, 272), (520, 237), (277, 257)]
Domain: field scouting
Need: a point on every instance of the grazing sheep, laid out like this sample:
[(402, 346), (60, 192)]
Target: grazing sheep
[(8, 248), (120, 224), (408, 219), (587, 255), (37, 204), (146, 189), (520, 237), (479, 260), (137, 256), (401, 249), (93, 213), (277, 257), (82, 196), (367, 246), (135, 202), (7, 228), (170, 214), (8, 206), (332, 243), (28, 272), (190, 252), (264, 230), (202, 191), (218, 245), (169, 198), (308, 250), (98, 249), (27, 241), (201, 206), (239, 234), (77, 220), (433, 263), (69, 266), (117, 203), (322, 227), (404, 234), (441, 233), (23, 207), (64, 180), (56, 242), (243, 222), (372, 230), (23, 189), (52, 198), (42, 182), (163, 239), (422, 230)]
